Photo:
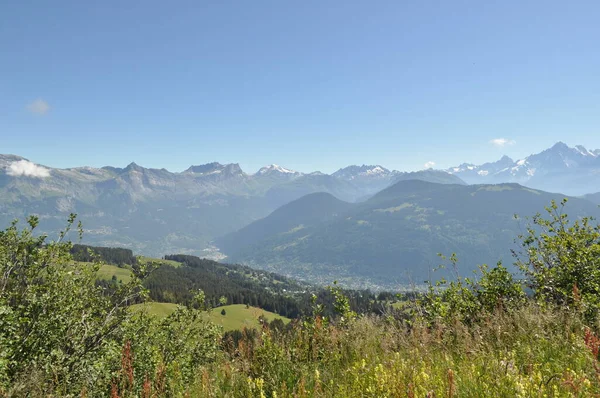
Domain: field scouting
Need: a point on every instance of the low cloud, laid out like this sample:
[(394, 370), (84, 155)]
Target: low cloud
[(39, 107), (502, 142), (27, 169), (429, 164)]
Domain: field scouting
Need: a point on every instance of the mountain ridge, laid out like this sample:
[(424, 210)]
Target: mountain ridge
[(560, 168), (153, 210), (392, 238), (156, 211)]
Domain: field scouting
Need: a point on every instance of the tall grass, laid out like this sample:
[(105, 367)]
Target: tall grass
[(531, 352)]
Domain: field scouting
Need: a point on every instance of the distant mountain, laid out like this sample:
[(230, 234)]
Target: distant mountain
[(593, 197), (301, 213), (471, 172), (216, 169), (573, 171), (152, 211), (155, 211), (393, 237), (435, 176), (280, 194), (374, 178), (353, 173), (368, 178), (276, 169)]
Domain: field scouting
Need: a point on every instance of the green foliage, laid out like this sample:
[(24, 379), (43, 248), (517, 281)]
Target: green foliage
[(342, 305), (171, 349), (561, 260), (62, 332), (238, 315), (226, 283), (110, 255), (469, 299), (112, 272), (527, 352), (54, 320)]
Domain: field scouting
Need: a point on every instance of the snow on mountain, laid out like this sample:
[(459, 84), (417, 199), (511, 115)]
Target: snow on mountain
[(582, 150), (365, 171), (274, 168), (468, 171), (559, 168), (7, 160)]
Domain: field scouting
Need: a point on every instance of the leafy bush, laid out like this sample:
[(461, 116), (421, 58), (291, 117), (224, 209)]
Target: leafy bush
[(54, 321), (62, 333), (469, 299), (561, 260)]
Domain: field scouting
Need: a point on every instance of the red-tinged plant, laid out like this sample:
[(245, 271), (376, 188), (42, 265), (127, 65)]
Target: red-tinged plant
[(592, 342)]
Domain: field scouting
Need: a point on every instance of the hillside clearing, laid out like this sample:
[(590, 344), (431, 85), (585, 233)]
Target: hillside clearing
[(237, 316)]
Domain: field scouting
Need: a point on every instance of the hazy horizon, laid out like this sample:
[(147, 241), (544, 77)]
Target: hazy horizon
[(250, 171)]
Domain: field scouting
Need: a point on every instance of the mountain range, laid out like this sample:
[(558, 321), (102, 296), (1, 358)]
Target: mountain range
[(394, 237), (593, 197), (572, 171), (155, 211), (360, 223)]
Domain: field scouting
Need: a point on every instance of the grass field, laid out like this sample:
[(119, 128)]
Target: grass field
[(159, 309), (172, 263), (107, 271), (124, 274), (237, 316)]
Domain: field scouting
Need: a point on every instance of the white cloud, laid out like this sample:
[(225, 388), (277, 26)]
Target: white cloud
[(27, 169), (502, 142), (429, 164), (39, 107)]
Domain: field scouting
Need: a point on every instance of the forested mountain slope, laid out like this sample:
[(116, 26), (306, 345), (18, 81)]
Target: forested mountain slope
[(394, 237)]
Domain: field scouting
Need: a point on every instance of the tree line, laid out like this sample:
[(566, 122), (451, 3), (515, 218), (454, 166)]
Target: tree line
[(110, 255)]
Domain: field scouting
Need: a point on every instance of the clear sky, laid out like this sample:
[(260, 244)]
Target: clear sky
[(310, 85)]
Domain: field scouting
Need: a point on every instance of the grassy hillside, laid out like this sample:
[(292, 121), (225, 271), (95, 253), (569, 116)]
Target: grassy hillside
[(160, 310), (107, 271), (176, 279), (145, 260), (237, 316), (238, 284), (394, 237), (123, 273)]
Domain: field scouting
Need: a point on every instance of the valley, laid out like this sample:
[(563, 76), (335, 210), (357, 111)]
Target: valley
[(366, 226)]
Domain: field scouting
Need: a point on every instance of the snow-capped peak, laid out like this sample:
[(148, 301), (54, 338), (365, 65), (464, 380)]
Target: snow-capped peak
[(364, 171), (582, 150), (376, 170), (275, 168)]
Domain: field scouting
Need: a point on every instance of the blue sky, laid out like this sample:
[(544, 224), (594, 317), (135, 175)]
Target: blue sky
[(311, 85)]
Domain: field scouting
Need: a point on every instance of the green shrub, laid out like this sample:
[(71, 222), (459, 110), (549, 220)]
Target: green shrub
[(469, 299), (61, 333), (561, 260)]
